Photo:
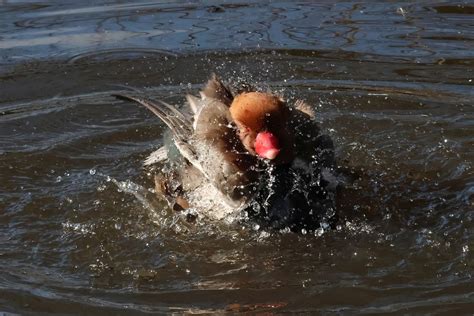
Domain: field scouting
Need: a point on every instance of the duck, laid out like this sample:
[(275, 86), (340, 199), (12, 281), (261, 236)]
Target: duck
[(239, 153)]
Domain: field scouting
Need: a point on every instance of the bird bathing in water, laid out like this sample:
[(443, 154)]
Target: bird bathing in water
[(237, 150)]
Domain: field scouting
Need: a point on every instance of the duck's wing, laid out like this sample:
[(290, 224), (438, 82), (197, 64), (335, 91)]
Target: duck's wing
[(211, 146), (221, 154), (158, 156), (176, 121), (216, 89)]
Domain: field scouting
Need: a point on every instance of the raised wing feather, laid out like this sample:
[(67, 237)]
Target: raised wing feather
[(212, 146), (216, 89)]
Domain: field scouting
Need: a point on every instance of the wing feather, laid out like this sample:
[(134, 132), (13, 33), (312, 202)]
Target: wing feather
[(212, 146)]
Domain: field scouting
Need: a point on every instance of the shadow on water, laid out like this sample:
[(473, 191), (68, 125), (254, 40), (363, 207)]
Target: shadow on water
[(81, 231)]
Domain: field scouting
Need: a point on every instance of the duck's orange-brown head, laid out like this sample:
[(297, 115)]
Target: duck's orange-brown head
[(262, 122)]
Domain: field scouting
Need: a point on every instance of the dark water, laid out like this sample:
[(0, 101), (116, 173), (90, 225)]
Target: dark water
[(393, 84)]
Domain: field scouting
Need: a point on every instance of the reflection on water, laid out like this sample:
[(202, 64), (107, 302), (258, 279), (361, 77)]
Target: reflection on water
[(81, 232), (421, 31)]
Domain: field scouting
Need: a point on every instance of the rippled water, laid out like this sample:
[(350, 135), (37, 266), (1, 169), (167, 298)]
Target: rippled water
[(81, 233)]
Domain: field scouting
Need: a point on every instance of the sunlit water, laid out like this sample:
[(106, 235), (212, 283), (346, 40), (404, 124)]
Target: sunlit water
[(81, 231)]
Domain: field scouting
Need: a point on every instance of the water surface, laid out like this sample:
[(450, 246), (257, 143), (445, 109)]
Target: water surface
[(80, 232)]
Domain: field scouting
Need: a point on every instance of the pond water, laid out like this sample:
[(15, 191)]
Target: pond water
[(392, 84)]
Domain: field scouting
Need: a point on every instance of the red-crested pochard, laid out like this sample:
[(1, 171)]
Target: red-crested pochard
[(245, 151)]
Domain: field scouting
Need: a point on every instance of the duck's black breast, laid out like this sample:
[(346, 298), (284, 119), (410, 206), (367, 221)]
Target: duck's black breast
[(291, 197)]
